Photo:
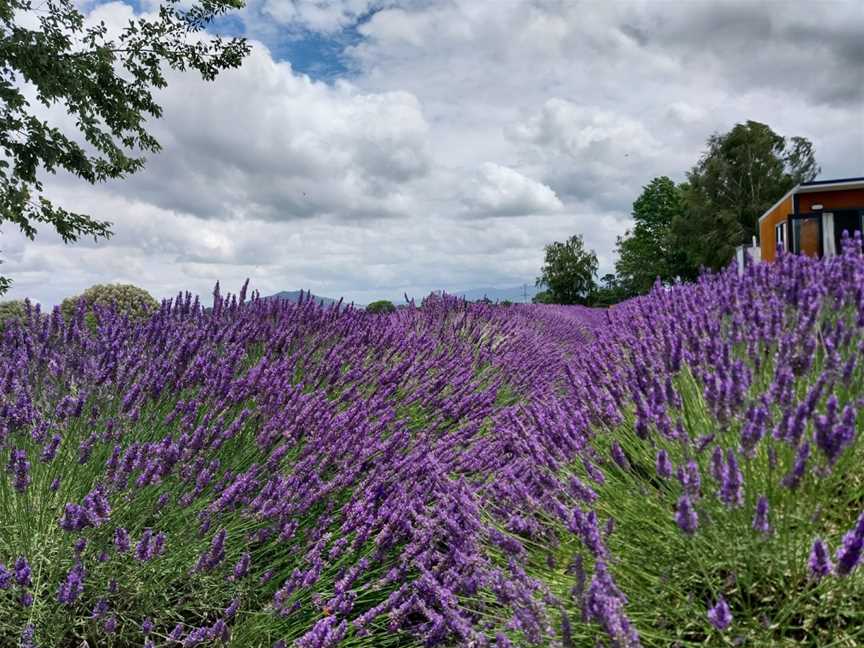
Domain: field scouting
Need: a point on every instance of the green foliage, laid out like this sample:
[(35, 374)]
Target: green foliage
[(568, 272), (106, 84), (10, 311), (647, 252), (740, 175), (381, 306), (609, 292), (506, 302), (126, 299), (542, 297)]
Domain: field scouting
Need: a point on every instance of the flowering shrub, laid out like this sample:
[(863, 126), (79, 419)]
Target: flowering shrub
[(683, 468)]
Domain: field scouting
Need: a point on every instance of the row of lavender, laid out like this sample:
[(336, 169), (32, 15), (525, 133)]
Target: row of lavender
[(279, 474), (271, 472), (726, 418)]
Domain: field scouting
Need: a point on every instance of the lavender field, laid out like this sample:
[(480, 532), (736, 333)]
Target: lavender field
[(682, 469)]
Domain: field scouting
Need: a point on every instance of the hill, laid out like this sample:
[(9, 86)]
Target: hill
[(294, 296)]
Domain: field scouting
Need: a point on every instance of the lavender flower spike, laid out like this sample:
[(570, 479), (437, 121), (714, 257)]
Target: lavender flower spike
[(820, 560), (686, 516), (720, 615), (849, 554), (760, 519)]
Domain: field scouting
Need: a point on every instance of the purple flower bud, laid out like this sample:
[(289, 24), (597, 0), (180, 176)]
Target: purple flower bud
[(686, 516), (720, 615), (242, 566), (144, 548), (111, 625), (27, 637), (619, 457), (73, 586), (26, 599), (731, 486), (849, 554), (146, 626), (820, 561), (20, 468), (49, 451), (792, 480), (232, 608), (100, 609), (717, 465), (121, 540), (664, 466), (760, 519), (22, 572), (690, 478)]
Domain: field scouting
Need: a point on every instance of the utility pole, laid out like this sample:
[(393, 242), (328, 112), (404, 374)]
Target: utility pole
[(524, 293)]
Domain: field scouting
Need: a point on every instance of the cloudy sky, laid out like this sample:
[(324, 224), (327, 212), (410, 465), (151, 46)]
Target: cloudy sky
[(368, 148)]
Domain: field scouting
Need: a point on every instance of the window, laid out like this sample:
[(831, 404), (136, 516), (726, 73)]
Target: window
[(848, 220), (780, 236)]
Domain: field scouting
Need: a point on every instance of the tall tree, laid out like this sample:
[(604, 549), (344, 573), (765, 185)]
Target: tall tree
[(740, 175), (568, 272), (647, 252), (105, 82)]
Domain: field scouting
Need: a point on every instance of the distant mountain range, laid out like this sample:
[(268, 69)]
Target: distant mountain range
[(294, 296)]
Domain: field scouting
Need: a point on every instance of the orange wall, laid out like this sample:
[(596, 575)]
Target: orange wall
[(767, 242), (844, 198)]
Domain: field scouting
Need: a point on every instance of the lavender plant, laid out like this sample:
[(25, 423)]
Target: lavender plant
[(683, 468)]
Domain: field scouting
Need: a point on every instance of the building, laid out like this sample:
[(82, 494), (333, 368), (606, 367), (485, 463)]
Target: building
[(812, 217)]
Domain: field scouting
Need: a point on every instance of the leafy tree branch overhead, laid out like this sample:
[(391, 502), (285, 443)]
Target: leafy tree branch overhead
[(106, 82)]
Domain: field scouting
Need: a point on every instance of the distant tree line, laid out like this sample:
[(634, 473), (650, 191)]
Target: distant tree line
[(681, 229)]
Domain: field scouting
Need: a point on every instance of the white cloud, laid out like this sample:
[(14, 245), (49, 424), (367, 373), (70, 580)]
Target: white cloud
[(500, 191)]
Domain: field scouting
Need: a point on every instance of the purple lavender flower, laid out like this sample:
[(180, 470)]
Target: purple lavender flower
[(690, 478), (849, 553), (717, 464), (582, 491), (619, 457), (6, 577), (605, 605), (110, 625), (760, 519), (121, 540), (720, 615), (49, 451), (731, 486), (144, 550), (73, 586), (793, 479), (820, 560), (100, 609), (146, 626), (27, 640), (211, 558), (20, 468), (26, 599), (685, 515), (664, 466), (22, 572), (242, 566)]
